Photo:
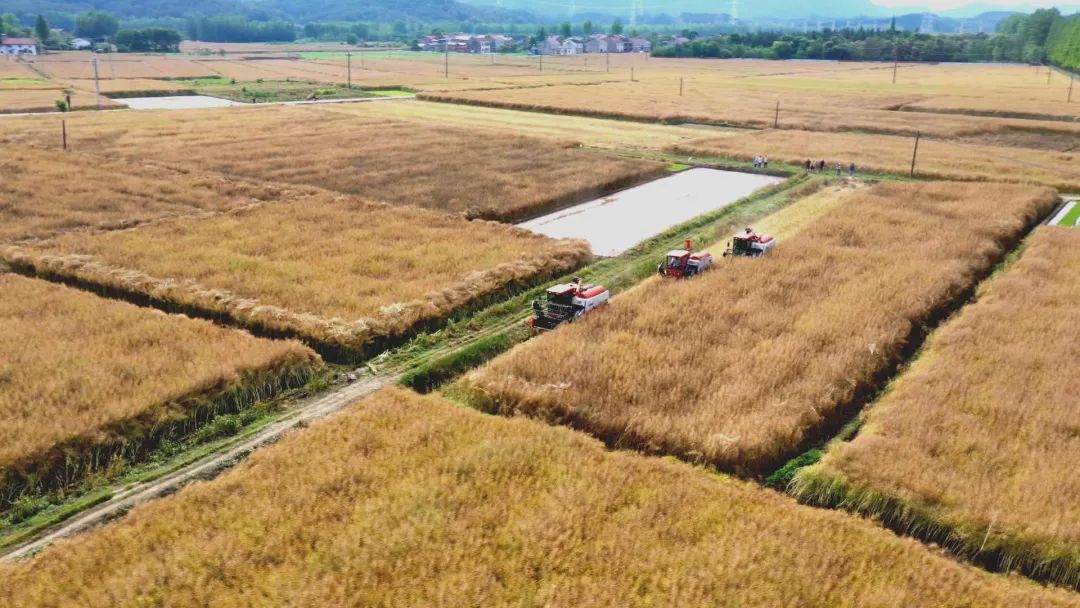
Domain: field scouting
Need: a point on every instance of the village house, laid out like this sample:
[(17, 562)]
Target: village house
[(18, 46), (640, 45)]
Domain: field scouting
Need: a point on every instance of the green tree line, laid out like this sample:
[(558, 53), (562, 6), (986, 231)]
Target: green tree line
[(1041, 37)]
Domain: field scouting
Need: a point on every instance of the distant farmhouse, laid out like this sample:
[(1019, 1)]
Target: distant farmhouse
[(551, 45), (597, 43), (18, 46), (464, 43)]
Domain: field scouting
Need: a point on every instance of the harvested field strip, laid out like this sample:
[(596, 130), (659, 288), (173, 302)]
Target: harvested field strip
[(84, 380), (493, 176), (975, 447), (600, 133), (346, 275), (47, 193), (412, 500), (888, 154), (656, 99), (745, 365)]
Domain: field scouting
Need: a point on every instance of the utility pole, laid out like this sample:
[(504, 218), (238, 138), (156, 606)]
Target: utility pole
[(97, 84), (680, 86), (348, 61), (914, 153), (446, 65), (776, 119), (541, 56), (631, 74), (1072, 79), (1049, 72), (63, 133), (608, 58)]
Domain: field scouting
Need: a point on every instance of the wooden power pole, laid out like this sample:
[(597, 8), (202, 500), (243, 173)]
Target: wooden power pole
[(915, 153)]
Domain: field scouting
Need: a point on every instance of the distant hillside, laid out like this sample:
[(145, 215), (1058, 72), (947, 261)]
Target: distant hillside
[(294, 10)]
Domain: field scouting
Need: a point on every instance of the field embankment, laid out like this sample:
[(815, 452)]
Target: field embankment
[(347, 276), (84, 380), (743, 366), (412, 500), (975, 446), (889, 154)]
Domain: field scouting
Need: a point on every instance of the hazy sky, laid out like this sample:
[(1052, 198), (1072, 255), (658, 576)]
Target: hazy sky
[(944, 5)]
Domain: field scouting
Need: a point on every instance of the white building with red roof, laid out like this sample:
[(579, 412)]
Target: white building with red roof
[(18, 46)]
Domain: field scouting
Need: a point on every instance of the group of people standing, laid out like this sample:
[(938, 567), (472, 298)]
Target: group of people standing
[(819, 167), (761, 162)]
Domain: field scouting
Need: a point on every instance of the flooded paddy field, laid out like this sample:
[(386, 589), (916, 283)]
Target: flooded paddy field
[(615, 223)]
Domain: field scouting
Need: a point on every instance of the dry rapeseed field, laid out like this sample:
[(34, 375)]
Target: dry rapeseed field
[(891, 154), (487, 175), (742, 366), (46, 192), (410, 500), (976, 445), (81, 376), (340, 272)]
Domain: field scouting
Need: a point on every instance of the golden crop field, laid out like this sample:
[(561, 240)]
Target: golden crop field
[(340, 272), (891, 154), (486, 175), (46, 192), (44, 100), (705, 101), (976, 443), (79, 65), (593, 132), (744, 365), (413, 501), (81, 376), (13, 68)]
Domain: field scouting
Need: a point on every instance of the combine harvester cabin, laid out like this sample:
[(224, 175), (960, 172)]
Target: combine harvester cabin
[(685, 263), (750, 244), (566, 303)]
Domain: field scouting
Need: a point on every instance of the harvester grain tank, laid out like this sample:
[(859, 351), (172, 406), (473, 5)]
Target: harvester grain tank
[(566, 303), (685, 263), (750, 244)]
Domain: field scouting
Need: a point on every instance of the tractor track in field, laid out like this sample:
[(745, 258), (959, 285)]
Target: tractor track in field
[(308, 410)]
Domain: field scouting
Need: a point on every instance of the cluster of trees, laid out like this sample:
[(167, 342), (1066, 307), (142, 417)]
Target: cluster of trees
[(1063, 43), (96, 24), (1032, 38), (1046, 36), (239, 29), (10, 25), (149, 40)]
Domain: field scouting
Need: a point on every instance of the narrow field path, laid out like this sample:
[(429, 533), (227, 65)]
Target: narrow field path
[(124, 499)]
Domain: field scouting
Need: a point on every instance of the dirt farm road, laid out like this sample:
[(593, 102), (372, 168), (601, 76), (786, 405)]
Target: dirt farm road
[(308, 411)]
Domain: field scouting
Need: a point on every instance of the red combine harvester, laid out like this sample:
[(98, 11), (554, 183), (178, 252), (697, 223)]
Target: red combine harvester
[(685, 263), (750, 244), (566, 303)]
